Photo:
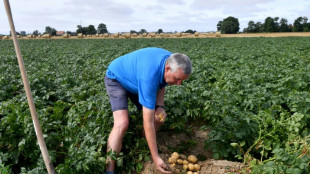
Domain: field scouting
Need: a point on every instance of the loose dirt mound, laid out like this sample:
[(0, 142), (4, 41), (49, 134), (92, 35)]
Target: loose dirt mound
[(194, 146)]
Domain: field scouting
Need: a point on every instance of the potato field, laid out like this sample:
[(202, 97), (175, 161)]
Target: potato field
[(251, 94)]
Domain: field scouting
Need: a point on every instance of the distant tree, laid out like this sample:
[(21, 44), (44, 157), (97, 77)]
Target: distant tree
[(69, 32), (283, 25), (102, 28), (133, 31), (219, 26), (251, 27), (36, 33), (230, 25), (17, 33), (269, 25), (50, 30), (276, 24), (298, 25), (305, 25), (160, 31), (91, 30), (259, 27), (142, 31), (81, 29), (190, 31), (290, 27)]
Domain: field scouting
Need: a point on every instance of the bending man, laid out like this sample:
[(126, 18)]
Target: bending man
[(142, 76)]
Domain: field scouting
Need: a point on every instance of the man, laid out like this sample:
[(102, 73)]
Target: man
[(142, 76)]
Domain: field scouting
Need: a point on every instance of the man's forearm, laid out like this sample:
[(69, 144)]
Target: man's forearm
[(160, 96), (148, 124)]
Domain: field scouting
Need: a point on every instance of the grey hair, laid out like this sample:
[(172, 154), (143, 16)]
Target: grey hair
[(177, 60)]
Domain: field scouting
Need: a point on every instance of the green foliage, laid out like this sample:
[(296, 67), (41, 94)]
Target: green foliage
[(102, 28), (4, 169), (230, 25), (253, 93)]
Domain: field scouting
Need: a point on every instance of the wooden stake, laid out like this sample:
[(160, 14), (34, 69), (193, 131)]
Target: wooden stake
[(37, 127)]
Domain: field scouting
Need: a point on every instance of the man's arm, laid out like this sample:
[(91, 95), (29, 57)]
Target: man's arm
[(149, 128), (159, 110), (160, 96)]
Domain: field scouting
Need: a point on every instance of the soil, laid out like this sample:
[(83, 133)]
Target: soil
[(168, 141)]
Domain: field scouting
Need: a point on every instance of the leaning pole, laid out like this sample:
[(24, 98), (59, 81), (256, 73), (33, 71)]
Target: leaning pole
[(36, 123)]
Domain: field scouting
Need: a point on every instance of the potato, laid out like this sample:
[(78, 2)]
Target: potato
[(195, 173), (179, 161), (185, 166), (189, 172), (172, 160), (192, 159), (175, 155), (197, 167), (161, 117), (191, 167), (177, 171), (185, 162), (173, 168)]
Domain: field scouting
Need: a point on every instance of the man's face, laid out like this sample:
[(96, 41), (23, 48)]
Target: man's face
[(174, 78)]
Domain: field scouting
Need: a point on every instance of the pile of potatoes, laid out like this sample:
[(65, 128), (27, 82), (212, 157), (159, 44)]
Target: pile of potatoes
[(189, 163)]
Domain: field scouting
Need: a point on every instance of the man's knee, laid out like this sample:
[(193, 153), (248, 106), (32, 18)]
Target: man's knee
[(122, 126)]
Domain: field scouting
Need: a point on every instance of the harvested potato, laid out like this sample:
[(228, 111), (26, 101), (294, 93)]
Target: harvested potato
[(179, 161), (189, 172), (192, 159), (161, 117), (178, 171), (185, 166), (172, 160), (175, 155), (197, 167), (174, 169), (185, 162), (191, 167), (195, 173)]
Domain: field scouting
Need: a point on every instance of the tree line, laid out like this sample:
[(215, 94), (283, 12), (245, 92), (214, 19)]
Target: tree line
[(89, 30), (230, 25)]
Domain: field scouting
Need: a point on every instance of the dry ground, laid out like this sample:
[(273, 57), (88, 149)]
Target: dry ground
[(167, 141)]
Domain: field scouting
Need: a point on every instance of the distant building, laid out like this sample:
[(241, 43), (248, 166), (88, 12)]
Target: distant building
[(60, 33)]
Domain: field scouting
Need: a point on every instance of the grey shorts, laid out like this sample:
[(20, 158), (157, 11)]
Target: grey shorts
[(119, 95)]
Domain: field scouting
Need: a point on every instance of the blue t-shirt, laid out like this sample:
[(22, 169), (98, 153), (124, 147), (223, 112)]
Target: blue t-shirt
[(141, 72)]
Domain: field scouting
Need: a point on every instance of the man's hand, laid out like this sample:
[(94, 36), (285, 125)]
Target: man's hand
[(160, 115), (161, 166)]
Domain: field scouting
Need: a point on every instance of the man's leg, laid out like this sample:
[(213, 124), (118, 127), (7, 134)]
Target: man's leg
[(121, 122)]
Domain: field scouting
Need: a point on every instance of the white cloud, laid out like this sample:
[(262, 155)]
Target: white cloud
[(123, 16)]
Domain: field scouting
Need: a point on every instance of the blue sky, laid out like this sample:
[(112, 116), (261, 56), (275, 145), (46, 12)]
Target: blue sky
[(123, 16)]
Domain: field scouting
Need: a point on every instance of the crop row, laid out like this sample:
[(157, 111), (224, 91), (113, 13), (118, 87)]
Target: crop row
[(253, 93)]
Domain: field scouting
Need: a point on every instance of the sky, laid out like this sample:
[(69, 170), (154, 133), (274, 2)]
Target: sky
[(151, 15)]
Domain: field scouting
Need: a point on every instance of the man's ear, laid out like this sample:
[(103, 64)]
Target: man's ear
[(167, 67)]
